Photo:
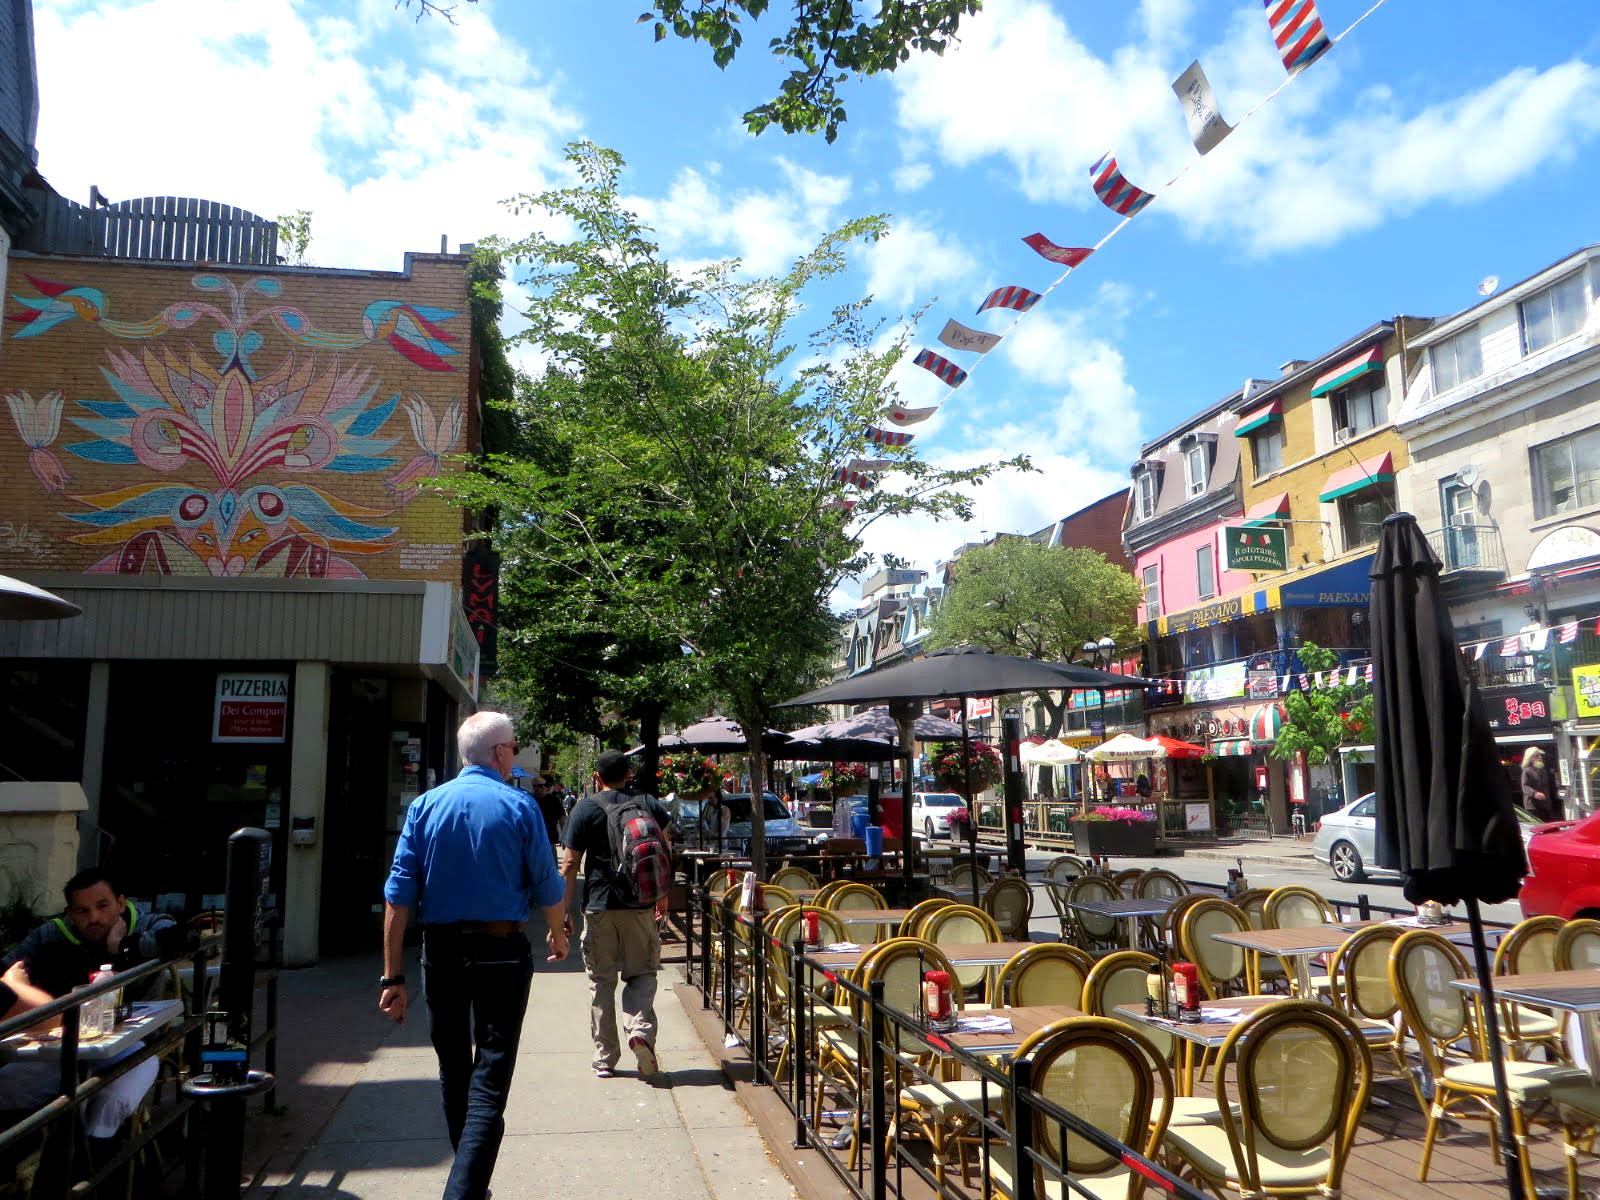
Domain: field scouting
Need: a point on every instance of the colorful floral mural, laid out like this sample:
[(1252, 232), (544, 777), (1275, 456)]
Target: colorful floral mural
[(264, 442)]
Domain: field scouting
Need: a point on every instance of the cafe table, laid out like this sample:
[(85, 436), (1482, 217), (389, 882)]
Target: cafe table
[(1125, 909), (1211, 1031), (148, 1016), (960, 954), (1575, 992), (1303, 943), (1026, 1020)]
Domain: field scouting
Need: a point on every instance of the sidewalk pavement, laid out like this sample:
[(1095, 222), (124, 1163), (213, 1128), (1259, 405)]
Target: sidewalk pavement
[(362, 1120), (1276, 851)]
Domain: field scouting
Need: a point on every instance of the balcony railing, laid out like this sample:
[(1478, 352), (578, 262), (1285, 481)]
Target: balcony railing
[(1472, 548)]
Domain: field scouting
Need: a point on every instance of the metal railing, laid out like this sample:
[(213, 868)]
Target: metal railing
[(1475, 548)]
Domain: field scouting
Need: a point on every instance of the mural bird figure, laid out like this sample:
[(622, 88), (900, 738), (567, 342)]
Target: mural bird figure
[(60, 302), (413, 330)]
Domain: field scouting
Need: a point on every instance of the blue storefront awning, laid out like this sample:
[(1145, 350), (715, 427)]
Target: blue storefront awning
[(1340, 586)]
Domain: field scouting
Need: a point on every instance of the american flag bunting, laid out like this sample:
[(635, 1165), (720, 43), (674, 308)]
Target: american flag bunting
[(1369, 672), (1115, 192), (1298, 31), (1569, 633), (1511, 647), (839, 505), (1067, 256), (941, 367), (854, 478), (1019, 298), (887, 437)]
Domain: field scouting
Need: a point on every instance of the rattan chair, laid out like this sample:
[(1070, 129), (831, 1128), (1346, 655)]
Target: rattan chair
[(1173, 921), (1010, 902), (962, 923), (1125, 879), (1529, 948), (1119, 979), (1224, 969), (1048, 973), (720, 880), (1443, 1021), (1300, 1075), (911, 926), (820, 1013), (1109, 1075), (962, 874), (1090, 932), (1158, 883), (1296, 907), (1359, 974), (1578, 945), (794, 878), (859, 897), (1270, 973), (1059, 873)]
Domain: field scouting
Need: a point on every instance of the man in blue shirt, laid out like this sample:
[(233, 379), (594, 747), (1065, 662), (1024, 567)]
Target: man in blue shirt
[(472, 859)]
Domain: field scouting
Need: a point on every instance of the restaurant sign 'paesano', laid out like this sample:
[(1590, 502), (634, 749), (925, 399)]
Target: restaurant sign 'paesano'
[(251, 707), (1255, 548)]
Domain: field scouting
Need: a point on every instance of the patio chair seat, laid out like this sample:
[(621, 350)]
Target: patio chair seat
[(1113, 1186), (953, 1098), (1525, 1080), (1196, 1110), (1207, 1147), (1582, 1094), (1534, 1022)]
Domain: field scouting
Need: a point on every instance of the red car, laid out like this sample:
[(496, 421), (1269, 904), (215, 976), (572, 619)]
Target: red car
[(1563, 870)]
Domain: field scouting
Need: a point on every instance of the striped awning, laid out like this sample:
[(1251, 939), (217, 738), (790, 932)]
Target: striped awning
[(1232, 747), (1253, 421), (1377, 469), (1274, 508), (1267, 722), (1367, 360)]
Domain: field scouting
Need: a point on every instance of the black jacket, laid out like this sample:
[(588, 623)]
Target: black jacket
[(59, 958)]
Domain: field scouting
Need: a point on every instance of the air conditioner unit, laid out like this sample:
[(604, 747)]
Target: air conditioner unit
[(1341, 435), (1464, 519)]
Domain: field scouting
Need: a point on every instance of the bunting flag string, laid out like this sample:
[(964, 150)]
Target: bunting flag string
[(1569, 633), (871, 464), (941, 367), (887, 437), (854, 478), (1511, 647), (899, 414), (1114, 190), (1297, 28), (1206, 126), (1019, 298), (958, 337), (1067, 256)]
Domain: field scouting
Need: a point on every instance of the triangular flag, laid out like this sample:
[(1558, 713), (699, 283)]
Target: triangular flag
[(1350, 677), (1511, 647), (1305, 683), (1478, 651), (887, 437), (1115, 192), (871, 464), (845, 475), (958, 337), (1369, 672), (1297, 29), (1569, 633), (1206, 126), (1019, 298), (1067, 256), (838, 505), (900, 415), (1540, 639), (940, 366)]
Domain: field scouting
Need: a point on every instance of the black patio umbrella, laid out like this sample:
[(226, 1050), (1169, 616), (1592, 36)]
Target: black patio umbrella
[(957, 672), (20, 601), (879, 723), (1442, 820), (717, 735)]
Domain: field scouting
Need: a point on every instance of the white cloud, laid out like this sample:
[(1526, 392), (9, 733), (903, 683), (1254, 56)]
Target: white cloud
[(912, 175), (915, 263)]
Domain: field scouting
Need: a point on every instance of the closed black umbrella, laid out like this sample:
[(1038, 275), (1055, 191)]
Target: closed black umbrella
[(1443, 819)]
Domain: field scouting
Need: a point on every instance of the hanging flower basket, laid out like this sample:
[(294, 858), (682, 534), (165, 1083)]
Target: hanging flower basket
[(952, 768), (843, 777), (688, 775)]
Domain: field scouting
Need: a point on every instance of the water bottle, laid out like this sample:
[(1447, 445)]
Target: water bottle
[(104, 1006)]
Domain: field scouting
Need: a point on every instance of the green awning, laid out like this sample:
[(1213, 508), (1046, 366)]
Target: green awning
[(1269, 511), (1375, 470), (1253, 421), (1369, 360)]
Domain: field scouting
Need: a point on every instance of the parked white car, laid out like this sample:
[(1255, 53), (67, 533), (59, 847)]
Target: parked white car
[(930, 812), (1346, 840)]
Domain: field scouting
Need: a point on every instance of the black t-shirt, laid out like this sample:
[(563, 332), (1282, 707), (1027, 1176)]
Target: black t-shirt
[(589, 834)]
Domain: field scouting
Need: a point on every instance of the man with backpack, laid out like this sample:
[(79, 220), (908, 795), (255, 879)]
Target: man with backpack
[(620, 835)]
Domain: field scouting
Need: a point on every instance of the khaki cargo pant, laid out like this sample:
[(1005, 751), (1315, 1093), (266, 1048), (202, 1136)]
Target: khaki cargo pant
[(621, 942)]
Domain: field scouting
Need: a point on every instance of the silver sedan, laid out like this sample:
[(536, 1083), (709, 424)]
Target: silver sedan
[(1346, 840)]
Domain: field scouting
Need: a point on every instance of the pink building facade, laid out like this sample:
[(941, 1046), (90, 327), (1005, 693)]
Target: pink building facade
[(1185, 572)]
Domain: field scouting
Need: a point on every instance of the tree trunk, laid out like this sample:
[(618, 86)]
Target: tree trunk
[(758, 805), (650, 734)]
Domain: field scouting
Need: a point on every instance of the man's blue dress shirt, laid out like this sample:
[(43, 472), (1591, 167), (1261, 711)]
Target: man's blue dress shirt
[(473, 849)]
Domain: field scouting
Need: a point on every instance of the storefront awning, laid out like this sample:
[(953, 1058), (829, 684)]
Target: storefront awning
[(1267, 722), (1377, 469), (1354, 368), (1232, 748), (1253, 421), (1273, 509)]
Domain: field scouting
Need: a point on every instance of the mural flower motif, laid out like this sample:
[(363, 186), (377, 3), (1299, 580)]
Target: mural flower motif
[(39, 421), (435, 437)]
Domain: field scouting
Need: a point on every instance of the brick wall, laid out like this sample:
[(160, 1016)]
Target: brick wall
[(232, 421)]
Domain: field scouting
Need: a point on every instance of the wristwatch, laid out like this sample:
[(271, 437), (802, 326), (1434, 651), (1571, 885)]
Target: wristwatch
[(389, 981)]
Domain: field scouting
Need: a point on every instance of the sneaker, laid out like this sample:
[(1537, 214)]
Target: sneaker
[(646, 1055), (603, 1071)]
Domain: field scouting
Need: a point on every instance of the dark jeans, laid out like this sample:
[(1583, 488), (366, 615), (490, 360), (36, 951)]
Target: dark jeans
[(477, 991)]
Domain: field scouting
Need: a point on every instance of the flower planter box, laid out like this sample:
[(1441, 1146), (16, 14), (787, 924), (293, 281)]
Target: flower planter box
[(1131, 839)]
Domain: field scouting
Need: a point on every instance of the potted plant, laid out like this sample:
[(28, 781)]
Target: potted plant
[(1129, 832), (843, 778), (691, 776), (952, 768)]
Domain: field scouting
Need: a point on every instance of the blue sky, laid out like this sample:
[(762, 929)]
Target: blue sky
[(1440, 143)]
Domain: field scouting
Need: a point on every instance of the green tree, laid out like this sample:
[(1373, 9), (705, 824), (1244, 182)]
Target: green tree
[(1015, 596), (1320, 721), (294, 237), (827, 42), (674, 506)]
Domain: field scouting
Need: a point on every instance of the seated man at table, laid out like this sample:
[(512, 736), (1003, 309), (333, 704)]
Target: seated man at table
[(99, 926)]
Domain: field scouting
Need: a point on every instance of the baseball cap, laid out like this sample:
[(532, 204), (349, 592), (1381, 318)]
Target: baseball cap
[(612, 765)]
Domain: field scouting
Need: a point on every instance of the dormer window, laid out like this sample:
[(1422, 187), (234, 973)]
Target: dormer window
[(1145, 494), (1552, 314), (1194, 469), (1458, 360)]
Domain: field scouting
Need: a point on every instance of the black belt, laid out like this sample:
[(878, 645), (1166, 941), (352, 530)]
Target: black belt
[(487, 928)]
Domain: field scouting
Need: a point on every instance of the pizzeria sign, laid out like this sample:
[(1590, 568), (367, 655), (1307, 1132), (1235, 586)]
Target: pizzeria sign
[(251, 707)]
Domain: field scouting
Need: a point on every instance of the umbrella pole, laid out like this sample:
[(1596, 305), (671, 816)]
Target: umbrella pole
[(1491, 1019), (972, 808)]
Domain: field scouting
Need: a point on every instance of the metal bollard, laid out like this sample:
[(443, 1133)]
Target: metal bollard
[(798, 1053), (758, 993), (877, 1112), (727, 966), (1022, 1131), (1364, 906), (703, 901), (227, 1080)]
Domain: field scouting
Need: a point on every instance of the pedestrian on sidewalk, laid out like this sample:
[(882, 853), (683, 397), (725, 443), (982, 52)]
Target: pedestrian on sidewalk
[(619, 940), (472, 859)]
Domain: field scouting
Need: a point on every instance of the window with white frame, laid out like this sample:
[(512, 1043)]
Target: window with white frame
[(1152, 591), (1566, 474), (1554, 313), (1194, 469), (1205, 572), (1361, 406), (1145, 488), (1361, 514), (1457, 360), (1266, 449)]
